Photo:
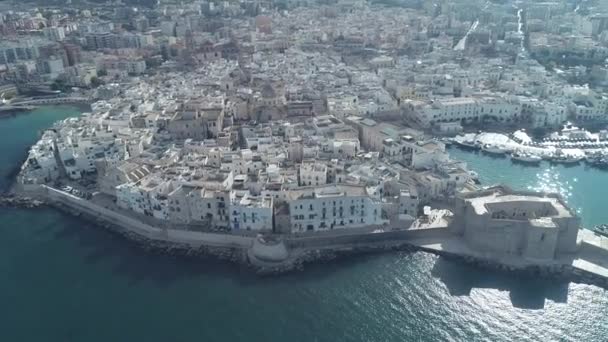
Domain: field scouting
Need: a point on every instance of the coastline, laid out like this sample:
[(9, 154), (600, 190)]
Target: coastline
[(240, 256), (303, 250), (300, 256), (26, 110)]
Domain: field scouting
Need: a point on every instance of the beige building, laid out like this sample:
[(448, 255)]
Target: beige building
[(197, 120), (526, 224)]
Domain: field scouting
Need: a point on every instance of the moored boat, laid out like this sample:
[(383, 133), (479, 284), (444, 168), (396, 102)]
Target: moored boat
[(601, 163), (474, 176), (567, 159), (525, 158), (601, 229), (467, 143), (494, 149)]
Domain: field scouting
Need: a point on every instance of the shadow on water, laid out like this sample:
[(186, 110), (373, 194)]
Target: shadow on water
[(137, 264), (494, 155), (525, 291), (130, 260)]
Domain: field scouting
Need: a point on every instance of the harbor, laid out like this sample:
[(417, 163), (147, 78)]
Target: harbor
[(570, 146), (95, 260)]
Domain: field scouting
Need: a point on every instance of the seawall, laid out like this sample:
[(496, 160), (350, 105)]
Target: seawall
[(223, 246), (282, 254)]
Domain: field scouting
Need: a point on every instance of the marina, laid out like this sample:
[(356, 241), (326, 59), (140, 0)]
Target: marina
[(570, 146), (527, 158)]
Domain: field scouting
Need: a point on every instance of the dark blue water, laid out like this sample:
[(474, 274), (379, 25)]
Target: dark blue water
[(66, 280)]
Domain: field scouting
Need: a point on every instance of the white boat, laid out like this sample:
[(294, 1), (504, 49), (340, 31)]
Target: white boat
[(466, 143), (547, 156), (525, 157), (494, 149), (474, 176), (567, 159), (447, 141)]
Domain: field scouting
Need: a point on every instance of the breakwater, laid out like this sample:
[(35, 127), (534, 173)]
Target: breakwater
[(12, 201)]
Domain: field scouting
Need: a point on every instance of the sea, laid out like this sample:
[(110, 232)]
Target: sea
[(64, 279)]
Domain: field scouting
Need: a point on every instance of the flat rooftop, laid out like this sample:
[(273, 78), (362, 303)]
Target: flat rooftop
[(486, 204)]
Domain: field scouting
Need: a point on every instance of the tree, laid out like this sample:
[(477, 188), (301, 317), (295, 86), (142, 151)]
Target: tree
[(96, 82), (60, 85)]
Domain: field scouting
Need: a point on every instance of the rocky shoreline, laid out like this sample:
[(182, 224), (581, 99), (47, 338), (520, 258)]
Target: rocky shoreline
[(235, 255), (15, 201)]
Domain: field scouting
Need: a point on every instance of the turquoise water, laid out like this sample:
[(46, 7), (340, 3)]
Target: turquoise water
[(583, 187), (65, 280), (20, 131)]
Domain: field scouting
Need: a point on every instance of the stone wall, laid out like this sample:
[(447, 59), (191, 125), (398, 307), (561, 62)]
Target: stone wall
[(327, 241), (190, 238)]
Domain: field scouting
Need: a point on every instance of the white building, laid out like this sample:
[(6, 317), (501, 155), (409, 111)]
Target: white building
[(54, 33), (548, 115), (466, 109), (589, 107), (148, 197), (312, 173), (250, 212), (333, 207), (135, 66), (408, 203), (341, 148)]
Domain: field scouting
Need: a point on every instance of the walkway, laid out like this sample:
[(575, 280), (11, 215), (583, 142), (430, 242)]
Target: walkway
[(53, 100)]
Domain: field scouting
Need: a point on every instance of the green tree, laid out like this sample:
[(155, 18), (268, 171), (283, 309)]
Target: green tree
[(96, 82), (59, 84)]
